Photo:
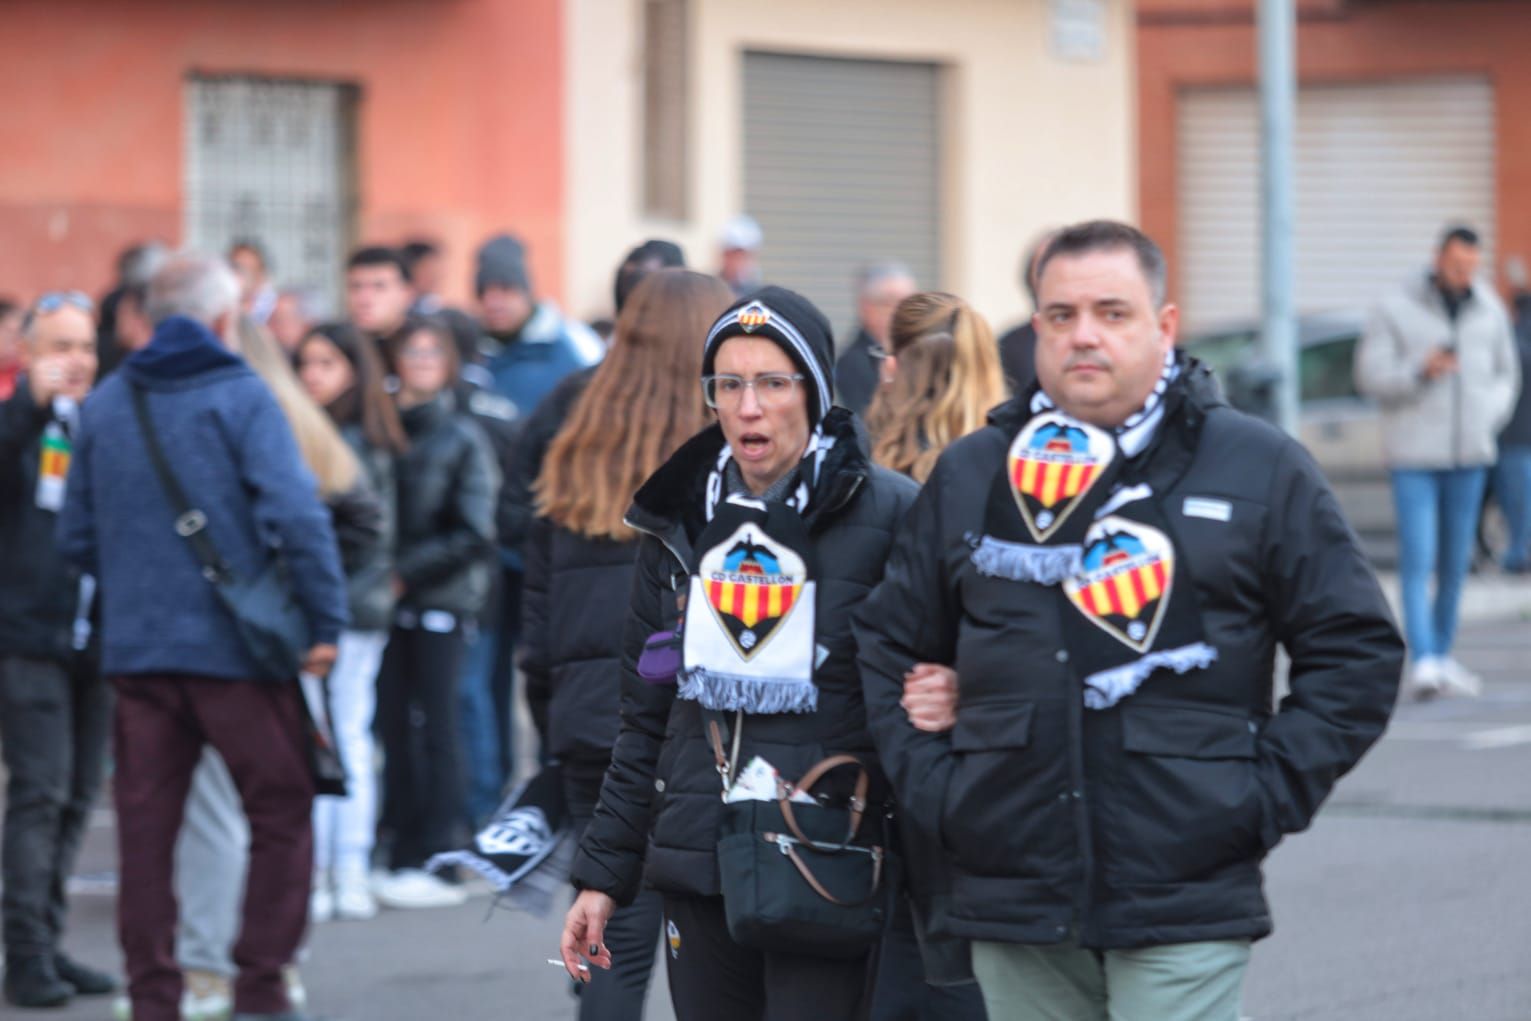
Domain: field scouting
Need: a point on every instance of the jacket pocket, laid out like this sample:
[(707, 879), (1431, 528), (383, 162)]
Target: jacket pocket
[(1186, 800), (1001, 809)]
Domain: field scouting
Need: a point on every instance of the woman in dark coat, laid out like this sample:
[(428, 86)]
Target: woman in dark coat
[(447, 484), (782, 488), (635, 409)]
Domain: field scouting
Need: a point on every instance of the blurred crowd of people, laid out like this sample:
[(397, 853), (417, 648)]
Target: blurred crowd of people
[(458, 493)]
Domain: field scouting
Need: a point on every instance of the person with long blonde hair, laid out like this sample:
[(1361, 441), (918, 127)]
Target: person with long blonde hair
[(637, 409), (940, 379)]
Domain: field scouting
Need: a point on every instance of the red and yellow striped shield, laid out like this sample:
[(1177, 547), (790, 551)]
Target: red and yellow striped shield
[(1053, 463), (753, 316), (1124, 587), (750, 601)]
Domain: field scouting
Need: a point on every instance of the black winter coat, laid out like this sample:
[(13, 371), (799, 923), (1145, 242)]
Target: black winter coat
[(39, 589), (447, 487), (1146, 823), (574, 600), (366, 523), (660, 805)]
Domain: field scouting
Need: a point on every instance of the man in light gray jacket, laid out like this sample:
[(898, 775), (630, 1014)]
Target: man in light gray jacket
[(1439, 357)]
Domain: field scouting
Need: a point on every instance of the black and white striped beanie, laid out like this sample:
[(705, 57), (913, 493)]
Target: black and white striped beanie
[(794, 323)]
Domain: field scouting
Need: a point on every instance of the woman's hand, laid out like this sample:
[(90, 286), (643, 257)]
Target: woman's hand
[(930, 697), (584, 929)]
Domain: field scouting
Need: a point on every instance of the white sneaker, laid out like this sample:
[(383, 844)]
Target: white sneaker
[(414, 888), (353, 895), (321, 901), (297, 996), (208, 997), (1456, 679), (1426, 677)]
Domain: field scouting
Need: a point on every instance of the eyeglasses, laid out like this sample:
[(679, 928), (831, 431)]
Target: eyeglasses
[(772, 389), (55, 300)]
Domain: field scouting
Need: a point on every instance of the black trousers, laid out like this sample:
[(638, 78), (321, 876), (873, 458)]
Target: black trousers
[(712, 977), (631, 934), (901, 993), (417, 725), (53, 730)]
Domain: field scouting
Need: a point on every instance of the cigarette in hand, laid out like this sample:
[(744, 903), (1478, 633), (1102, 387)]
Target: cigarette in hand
[(556, 962)]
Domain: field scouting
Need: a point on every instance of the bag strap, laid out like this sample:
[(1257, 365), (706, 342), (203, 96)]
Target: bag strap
[(818, 887), (858, 800), (717, 736), (190, 523)]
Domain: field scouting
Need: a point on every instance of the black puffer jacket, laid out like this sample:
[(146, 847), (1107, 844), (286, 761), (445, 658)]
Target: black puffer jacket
[(659, 810), (366, 553), (447, 487), (39, 589), (1146, 823)]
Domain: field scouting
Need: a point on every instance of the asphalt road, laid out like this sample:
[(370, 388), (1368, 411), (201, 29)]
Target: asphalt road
[(1410, 897)]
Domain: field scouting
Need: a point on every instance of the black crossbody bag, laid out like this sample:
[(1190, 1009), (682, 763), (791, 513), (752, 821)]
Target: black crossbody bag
[(802, 879), (267, 617)]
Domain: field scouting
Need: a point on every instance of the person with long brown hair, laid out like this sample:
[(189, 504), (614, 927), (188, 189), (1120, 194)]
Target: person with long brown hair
[(636, 410), (939, 381), (341, 372)]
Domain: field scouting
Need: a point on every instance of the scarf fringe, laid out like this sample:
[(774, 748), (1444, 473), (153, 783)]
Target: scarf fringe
[(1015, 561), (1107, 688), (498, 877), (722, 692)]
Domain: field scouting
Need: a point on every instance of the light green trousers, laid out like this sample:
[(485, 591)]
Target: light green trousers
[(1176, 982)]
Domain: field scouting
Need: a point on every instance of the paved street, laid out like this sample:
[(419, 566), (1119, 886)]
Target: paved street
[(1407, 900)]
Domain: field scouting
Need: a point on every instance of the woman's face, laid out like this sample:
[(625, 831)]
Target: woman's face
[(768, 434), (325, 372), (422, 365)]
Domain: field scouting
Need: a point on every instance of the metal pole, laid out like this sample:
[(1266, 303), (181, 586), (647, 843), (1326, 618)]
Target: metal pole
[(1278, 92)]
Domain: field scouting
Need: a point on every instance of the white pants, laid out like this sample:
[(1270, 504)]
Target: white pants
[(344, 827)]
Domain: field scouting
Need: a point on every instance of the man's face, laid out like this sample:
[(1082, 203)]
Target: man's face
[(1457, 265), (62, 349), (877, 303), (504, 309), (251, 272), (738, 265), (1101, 342), (377, 298)]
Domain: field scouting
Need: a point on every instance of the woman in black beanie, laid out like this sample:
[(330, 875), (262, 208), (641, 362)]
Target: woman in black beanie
[(780, 489)]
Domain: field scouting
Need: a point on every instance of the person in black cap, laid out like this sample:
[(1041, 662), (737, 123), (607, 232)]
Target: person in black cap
[(779, 493)]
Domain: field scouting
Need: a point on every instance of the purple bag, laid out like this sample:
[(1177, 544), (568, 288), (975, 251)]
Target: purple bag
[(661, 659)]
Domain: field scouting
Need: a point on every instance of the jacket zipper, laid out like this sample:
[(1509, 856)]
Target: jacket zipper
[(1084, 901)]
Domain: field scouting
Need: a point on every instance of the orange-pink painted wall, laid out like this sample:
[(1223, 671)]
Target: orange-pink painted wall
[(459, 124)]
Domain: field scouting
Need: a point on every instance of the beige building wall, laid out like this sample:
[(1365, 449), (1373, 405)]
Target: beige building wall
[(1034, 139)]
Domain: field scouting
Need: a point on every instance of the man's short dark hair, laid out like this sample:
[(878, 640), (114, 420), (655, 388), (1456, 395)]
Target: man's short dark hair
[(1111, 235), (380, 255), (418, 249), (1459, 232), (252, 246)]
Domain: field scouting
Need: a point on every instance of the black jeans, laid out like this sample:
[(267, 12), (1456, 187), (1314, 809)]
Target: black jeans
[(631, 932), (417, 724), (713, 977), (53, 727)]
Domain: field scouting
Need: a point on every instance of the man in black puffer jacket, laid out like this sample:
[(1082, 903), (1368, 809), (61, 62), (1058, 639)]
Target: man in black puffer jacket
[(1109, 567)]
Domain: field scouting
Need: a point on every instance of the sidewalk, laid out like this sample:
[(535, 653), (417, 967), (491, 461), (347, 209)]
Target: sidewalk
[(1485, 597)]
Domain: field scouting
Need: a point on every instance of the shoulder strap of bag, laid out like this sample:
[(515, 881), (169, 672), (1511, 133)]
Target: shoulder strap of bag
[(190, 523), (858, 802), (717, 736)]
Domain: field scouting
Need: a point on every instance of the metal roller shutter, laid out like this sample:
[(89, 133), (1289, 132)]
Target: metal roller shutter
[(841, 167), (1381, 168)]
